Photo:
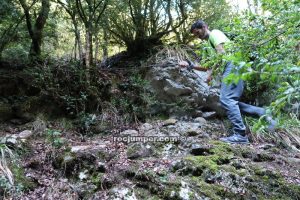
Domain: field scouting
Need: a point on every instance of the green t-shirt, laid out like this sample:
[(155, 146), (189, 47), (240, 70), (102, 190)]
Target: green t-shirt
[(217, 37)]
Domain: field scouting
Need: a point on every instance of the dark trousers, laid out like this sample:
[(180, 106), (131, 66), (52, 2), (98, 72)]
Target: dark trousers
[(229, 96)]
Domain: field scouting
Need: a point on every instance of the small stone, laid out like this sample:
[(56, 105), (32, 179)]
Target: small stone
[(39, 126), (204, 135), (129, 133), (75, 149), (83, 175), (262, 157), (209, 177), (172, 194), (238, 164), (138, 150), (191, 132), (170, 122), (197, 149), (200, 120), (176, 165), (82, 189), (197, 113), (193, 129), (152, 132), (87, 148), (266, 146), (25, 134), (68, 159), (101, 167), (185, 191), (11, 140), (146, 127), (209, 115), (119, 192), (293, 160)]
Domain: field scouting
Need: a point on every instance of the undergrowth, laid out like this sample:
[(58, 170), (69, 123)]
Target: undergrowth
[(287, 133)]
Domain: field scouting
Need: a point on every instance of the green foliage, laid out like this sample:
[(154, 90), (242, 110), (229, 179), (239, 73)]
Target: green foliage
[(134, 100), (266, 47), (86, 120), (16, 49), (65, 85), (211, 11), (55, 138), (10, 31), (140, 25)]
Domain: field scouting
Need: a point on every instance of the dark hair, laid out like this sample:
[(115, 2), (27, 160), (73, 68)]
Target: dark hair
[(198, 24)]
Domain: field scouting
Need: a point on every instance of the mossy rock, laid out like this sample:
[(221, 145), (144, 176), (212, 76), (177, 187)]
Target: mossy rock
[(142, 193), (263, 157), (131, 170), (243, 152), (213, 191), (139, 150), (72, 163), (229, 168), (273, 189), (221, 153), (261, 171), (270, 184), (170, 190)]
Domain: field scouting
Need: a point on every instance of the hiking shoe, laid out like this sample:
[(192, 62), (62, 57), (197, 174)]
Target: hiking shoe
[(272, 124), (235, 139)]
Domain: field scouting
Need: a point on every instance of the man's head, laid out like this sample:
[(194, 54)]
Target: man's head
[(200, 30)]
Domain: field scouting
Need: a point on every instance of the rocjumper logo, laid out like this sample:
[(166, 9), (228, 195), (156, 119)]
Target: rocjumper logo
[(144, 139)]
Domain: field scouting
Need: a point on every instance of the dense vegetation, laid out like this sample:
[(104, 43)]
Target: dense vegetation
[(266, 36)]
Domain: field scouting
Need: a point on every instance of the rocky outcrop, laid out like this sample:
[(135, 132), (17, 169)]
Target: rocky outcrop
[(182, 92)]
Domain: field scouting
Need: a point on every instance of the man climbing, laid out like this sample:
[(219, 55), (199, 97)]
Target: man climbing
[(229, 93)]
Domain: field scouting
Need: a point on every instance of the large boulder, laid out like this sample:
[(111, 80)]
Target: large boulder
[(180, 91)]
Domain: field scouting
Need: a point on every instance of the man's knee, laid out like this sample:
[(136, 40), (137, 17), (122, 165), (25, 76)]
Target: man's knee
[(225, 101)]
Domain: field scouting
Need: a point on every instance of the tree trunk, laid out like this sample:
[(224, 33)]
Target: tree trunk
[(36, 32), (79, 45), (105, 44), (87, 49), (96, 49), (75, 50), (90, 41), (78, 39), (35, 48)]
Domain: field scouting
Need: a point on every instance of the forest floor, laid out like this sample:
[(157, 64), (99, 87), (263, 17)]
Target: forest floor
[(55, 161)]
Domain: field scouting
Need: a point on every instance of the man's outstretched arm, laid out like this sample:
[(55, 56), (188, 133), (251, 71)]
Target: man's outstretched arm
[(196, 67)]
